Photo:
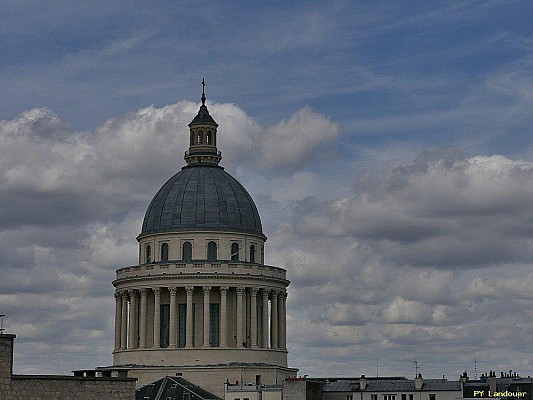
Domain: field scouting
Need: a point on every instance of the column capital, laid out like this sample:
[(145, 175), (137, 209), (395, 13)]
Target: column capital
[(143, 291), (206, 289), (189, 289), (173, 290), (117, 295), (254, 291), (224, 289), (124, 294), (132, 292), (266, 291), (240, 290), (157, 291)]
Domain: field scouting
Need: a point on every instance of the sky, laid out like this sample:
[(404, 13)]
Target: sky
[(387, 146)]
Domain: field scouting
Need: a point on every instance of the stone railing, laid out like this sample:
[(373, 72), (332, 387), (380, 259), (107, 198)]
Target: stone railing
[(194, 267)]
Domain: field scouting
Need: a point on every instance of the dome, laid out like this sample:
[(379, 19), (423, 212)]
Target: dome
[(202, 197)]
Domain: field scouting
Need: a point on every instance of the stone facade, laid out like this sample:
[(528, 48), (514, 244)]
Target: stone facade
[(53, 387), (201, 303)]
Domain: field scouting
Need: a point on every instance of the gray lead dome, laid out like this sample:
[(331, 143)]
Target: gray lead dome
[(202, 197)]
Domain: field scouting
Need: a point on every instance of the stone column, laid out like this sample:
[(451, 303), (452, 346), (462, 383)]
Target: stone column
[(207, 313), (142, 322), (240, 291), (124, 320), (188, 323), (223, 316), (264, 341), (132, 339), (157, 317), (274, 320), (118, 319), (282, 320), (173, 316), (253, 317)]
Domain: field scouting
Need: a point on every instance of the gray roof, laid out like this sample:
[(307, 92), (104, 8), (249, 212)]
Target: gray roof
[(392, 385), (174, 387), (202, 197)]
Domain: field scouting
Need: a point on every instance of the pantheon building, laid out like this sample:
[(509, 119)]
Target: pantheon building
[(202, 303)]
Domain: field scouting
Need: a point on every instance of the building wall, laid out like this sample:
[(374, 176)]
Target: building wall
[(15, 387), (212, 378)]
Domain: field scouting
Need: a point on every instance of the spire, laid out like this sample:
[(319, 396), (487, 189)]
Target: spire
[(203, 91), (203, 136)]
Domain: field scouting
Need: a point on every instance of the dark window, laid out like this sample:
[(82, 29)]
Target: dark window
[(187, 251), (164, 252), (208, 137), (182, 324), (211, 251), (252, 253), (375, 397), (235, 252), (200, 137), (164, 328), (432, 397), (214, 326), (404, 396), (182, 329), (148, 253), (192, 138), (411, 396)]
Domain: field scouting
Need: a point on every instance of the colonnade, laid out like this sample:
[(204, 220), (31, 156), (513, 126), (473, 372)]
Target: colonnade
[(255, 326)]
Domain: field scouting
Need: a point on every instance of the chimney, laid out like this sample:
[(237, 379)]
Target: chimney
[(362, 382), (418, 382), (6, 356), (492, 381)]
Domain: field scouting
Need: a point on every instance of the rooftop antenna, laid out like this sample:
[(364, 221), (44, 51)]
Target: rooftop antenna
[(2, 323), (416, 368), (377, 367), (475, 365)]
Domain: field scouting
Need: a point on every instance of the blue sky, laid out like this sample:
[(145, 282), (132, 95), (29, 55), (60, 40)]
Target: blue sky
[(387, 146)]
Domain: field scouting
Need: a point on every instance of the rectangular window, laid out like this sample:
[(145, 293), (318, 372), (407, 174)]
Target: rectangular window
[(164, 328), (404, 396), (373, 397), (214, 324), (389, 397), (182, 324), (432, 397), (349, 397), (411, 396)]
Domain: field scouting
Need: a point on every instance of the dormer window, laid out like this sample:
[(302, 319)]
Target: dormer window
[(234, 252), (252, 253), (211, 251), (164, 252), (187, 251), (148, 253)]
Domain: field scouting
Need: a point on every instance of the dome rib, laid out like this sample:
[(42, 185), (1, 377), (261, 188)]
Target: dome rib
[(202, 197)]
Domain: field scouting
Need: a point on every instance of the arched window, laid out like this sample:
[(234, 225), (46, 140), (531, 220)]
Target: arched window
[(252, 253), (235, 251), (192, 138), (200, 137), (211, 251), (148, 253), (208, 138), (187, 251), (164, 252)]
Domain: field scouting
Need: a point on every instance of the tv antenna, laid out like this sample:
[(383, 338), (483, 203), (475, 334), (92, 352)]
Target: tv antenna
[(416, 368), (2, 323)]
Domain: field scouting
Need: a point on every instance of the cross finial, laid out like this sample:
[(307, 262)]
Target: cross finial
[(203, 91)]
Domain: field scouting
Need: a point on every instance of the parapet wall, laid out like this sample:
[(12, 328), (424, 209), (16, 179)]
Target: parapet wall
[(54, 387)]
